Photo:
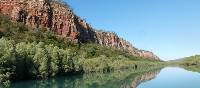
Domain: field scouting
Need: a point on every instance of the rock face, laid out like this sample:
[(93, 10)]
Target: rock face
[(59, 18)]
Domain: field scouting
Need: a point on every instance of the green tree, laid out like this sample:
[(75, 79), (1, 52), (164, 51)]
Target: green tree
[(54, 59), (7, 60), (65, 55), (41, 60), (24, 59)]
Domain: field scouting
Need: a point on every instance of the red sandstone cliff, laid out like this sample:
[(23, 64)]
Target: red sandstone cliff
[(60, 19)]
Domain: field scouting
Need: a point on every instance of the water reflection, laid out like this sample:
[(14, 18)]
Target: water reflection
[(174, 77), (192, 68), (120, 79), (142, 78)]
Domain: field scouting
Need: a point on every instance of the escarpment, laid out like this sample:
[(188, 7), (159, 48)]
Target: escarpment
[(60, 19)]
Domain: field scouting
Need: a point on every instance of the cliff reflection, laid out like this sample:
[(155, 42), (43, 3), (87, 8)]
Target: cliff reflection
[(142, 78), (120, 79)]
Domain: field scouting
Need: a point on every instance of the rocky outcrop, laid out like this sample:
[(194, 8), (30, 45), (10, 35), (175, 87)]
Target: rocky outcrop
[(59, 18), (113, 40), (148, 54)]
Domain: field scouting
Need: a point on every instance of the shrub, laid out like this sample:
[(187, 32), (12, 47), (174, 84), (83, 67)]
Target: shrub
[(7, 60), (98, 64)]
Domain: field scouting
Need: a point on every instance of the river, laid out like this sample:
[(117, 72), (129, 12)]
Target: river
[(168, 77)]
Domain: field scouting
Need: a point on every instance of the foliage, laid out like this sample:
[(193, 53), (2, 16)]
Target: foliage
[(191, 63), (27, 54), (7, 60), (38, 60), (188, 61), (193, 60)]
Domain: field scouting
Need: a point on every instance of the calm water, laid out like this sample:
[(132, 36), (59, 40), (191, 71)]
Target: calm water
[(169, 77), (172, 77)]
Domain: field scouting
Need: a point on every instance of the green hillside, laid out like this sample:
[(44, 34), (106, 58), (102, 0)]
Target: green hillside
[(29, 54)]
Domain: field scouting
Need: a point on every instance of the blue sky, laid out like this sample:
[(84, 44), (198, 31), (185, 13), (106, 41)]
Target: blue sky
[(169, 28)]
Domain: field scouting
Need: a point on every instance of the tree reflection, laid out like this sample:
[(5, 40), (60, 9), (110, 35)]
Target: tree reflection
[(119, 79)]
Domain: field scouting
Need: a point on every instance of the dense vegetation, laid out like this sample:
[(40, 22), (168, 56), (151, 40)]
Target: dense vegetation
[(27, 53), (191, 63)]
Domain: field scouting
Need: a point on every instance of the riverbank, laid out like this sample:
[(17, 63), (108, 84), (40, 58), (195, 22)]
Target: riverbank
[(31, 60), (191, 63)]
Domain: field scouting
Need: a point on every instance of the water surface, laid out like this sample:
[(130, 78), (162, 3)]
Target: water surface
[(174, 77), (169, 77)]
